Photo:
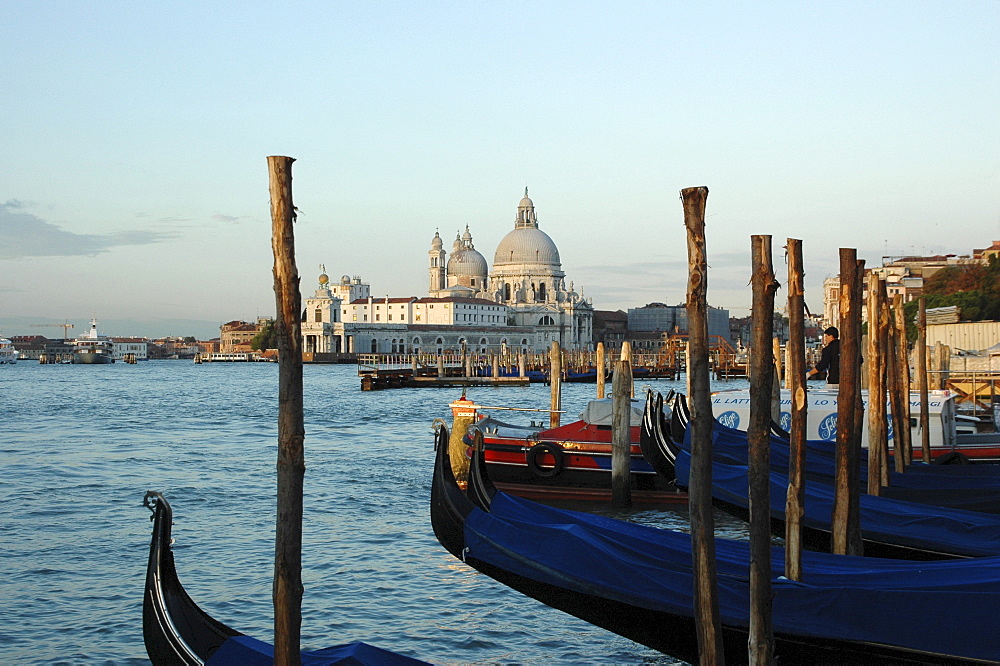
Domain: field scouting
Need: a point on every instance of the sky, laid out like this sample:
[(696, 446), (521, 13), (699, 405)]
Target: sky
[(134, 138)]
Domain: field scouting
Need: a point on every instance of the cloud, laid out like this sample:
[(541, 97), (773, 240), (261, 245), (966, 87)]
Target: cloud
[(231, 219), (23, 234)]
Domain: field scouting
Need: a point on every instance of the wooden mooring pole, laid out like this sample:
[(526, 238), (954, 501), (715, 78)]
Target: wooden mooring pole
[(875, 362), (796, 372), (287, 588), (845, 524), (762, 380), (706, 602), (903, 359), (621, 440), (601, 371), (555, 377), (925, 418)]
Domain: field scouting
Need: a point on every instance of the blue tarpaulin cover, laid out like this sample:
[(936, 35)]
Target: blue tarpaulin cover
[(939, 529), (944, 607), (247, 651)]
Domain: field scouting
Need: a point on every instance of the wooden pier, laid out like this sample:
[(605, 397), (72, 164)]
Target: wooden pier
[(385, 371)]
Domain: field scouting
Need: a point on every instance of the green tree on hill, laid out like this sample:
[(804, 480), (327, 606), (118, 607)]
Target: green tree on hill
[(974, 288)]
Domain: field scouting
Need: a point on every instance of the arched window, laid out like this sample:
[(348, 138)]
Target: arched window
[(440, 345), (374, 346), (541, 291), (506, 291), (546, 321), (483, 345)]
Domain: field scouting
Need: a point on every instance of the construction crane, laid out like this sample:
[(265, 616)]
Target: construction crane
[(65, 327)]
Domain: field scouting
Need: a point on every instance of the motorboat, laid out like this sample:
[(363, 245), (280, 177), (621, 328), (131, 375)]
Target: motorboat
[(93, 348)]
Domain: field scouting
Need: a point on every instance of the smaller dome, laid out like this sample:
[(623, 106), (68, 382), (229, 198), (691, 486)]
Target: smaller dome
[(324, 279), (345, 279), (467, 262), (436, 242)]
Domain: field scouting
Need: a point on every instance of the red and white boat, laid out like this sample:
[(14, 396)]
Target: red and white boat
[(572, 461)]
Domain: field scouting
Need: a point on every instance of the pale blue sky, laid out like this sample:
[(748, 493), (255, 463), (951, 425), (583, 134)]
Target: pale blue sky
[(133, 180)]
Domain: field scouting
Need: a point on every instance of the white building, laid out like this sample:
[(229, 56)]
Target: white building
[(523, 304)]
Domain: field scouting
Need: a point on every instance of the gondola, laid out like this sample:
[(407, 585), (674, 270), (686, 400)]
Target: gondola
[(636, 581), (965, 487), (177, 631)]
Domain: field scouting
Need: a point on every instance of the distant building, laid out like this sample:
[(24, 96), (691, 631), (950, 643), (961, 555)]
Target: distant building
[(661, 318), (131, 347), (522, 304), (236, 336), (611, 328)]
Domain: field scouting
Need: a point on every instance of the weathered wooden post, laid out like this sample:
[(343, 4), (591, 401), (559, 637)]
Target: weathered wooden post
[(627, 356), (925, 420), (706, 603), (522, 363), (776, 358), (903, 357), (846, 532), (440, 359), (601, 371), (877, 432), (496, 366), (555, 375), (621, 442), (762, 379), (796, 374), (286, 591), (894, 383)]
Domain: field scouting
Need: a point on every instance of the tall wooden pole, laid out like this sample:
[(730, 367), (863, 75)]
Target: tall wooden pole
[(627, 356), (776, 362), (877, 432), (706, 603), (845, 534), (925, 418), (621, 441), (555, 376), (762, 379), (903, 357), (601, 369), (796, 373), (895, 385), (287, 587)]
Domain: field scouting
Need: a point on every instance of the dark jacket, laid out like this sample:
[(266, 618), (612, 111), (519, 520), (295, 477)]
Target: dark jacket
[(829, 362)]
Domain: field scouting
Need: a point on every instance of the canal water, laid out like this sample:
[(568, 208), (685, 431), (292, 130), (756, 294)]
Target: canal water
[(80, 445)]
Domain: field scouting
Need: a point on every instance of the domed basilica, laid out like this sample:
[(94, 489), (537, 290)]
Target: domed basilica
[(527, 277)]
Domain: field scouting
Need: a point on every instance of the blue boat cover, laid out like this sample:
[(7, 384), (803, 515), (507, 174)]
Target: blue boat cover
[(247, 651), (943, 607), (933, 528), (730, 445)]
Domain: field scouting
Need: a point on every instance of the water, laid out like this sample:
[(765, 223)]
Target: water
[(80, 445)]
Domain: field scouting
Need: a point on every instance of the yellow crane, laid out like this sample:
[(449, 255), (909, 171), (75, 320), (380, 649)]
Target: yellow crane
[(65, 327)]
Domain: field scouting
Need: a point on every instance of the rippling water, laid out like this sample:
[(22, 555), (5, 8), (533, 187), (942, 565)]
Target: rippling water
[(80, 445)]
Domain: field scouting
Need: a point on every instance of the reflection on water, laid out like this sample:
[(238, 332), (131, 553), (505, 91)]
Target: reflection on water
[(80, 445)]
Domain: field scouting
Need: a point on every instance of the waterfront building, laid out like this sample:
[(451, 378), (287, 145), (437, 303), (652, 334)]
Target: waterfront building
[(662, 318), (235, 336), (137, 348), (522, 304)]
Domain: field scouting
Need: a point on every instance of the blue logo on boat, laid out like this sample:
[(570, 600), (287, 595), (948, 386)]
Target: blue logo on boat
[(828, 428), (890, 425), (785, 421), (729, 419)]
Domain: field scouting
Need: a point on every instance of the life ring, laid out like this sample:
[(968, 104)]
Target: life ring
[(531, 457)]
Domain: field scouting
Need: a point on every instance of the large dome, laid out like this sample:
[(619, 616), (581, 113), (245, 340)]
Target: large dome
[(526, 245), (467, 262)]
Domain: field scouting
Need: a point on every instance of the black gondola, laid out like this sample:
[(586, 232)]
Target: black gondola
[(177, 631), (890, 611)]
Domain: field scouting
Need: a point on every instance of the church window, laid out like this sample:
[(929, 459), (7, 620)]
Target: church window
[(374, 346), (319, 315), (541, 291)]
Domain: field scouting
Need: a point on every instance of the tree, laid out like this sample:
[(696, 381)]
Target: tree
[(266, 338)]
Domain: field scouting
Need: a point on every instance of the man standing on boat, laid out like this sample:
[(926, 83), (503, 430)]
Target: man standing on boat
[(829, 362)]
